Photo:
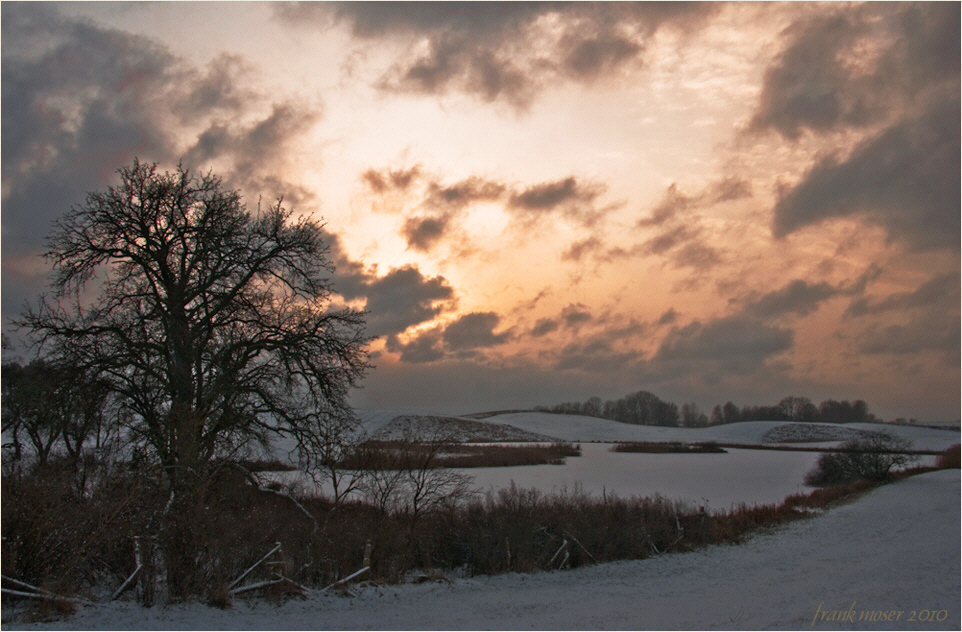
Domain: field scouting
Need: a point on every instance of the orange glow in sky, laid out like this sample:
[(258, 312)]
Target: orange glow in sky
[(549, 202)]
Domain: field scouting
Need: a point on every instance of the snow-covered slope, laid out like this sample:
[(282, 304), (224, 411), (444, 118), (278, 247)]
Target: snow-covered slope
[(581, 428), (895, 550)]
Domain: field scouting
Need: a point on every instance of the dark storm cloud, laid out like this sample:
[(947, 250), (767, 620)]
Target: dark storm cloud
[(905, 179), (220, 89), (798, 297), (426, 347), (728, 189), (543, 327), (891, 70), (397, 300), (934, 331), (394, 301), (422, 233), (74, 109), (597, 355), (473, 331), (257, 152), (737, 343), (79, 101), (484, 48), (463, 338), (928, 321), (595, 55), (669, 317), (940, 291), (825, 80)]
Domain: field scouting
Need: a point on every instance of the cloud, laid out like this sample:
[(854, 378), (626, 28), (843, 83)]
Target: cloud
[(737, 343), (581, 249), (678, 237), (402, 298), (502, 52), (593, 56), (890, 73), (858, 65), (669, 317), (434, 208), (575, 315), (597, 355), (80, 100), (473, 331), (397, 179), (465, 192), (550, 195), (940, 291), (543, 327), (934, 331), (422, 233), (255, 153), (423, 349), (797, 297), (905, 179)]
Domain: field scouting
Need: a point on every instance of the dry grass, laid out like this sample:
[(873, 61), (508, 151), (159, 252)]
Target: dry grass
[(400, 455), (669, 447), (950, 459)]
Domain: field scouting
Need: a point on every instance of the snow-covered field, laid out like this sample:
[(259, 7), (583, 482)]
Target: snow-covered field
[(893, 553)]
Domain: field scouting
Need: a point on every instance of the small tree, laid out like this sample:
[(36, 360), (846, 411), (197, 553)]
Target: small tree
[(212, 323), (870, 458)]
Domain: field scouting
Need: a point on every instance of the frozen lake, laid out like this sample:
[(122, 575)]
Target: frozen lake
[(715, 480), (740, 476)]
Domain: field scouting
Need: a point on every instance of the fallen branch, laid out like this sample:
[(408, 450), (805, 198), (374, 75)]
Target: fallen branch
[(564, 545), (581, 545), (123, 587), (348, 578), (37, 593), (256, 564)]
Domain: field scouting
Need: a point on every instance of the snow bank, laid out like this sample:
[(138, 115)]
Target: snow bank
[(895, 550)]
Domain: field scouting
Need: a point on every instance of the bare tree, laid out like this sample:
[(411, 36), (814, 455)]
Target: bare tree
[(212, 323)]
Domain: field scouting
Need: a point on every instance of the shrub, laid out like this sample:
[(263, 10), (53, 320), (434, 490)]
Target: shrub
[(949, 459), (870, 458)]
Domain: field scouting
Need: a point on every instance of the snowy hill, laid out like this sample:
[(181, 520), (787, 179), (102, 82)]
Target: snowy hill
[(579, 428)]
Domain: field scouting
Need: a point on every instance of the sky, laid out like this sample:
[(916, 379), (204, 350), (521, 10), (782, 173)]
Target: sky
[(541, 202)]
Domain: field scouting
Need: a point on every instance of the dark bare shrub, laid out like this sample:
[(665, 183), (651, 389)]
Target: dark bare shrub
[(949, 459), (870, 458)]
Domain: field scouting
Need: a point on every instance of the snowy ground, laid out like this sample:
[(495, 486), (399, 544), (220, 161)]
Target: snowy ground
[(895, 550)]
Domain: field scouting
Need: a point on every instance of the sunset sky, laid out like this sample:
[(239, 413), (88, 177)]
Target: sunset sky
[(541, 202)]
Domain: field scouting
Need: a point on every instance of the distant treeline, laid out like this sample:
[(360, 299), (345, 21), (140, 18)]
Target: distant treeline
[(646, 408)]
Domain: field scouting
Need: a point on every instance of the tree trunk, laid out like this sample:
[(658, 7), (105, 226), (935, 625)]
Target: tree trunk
[(188, 485)]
